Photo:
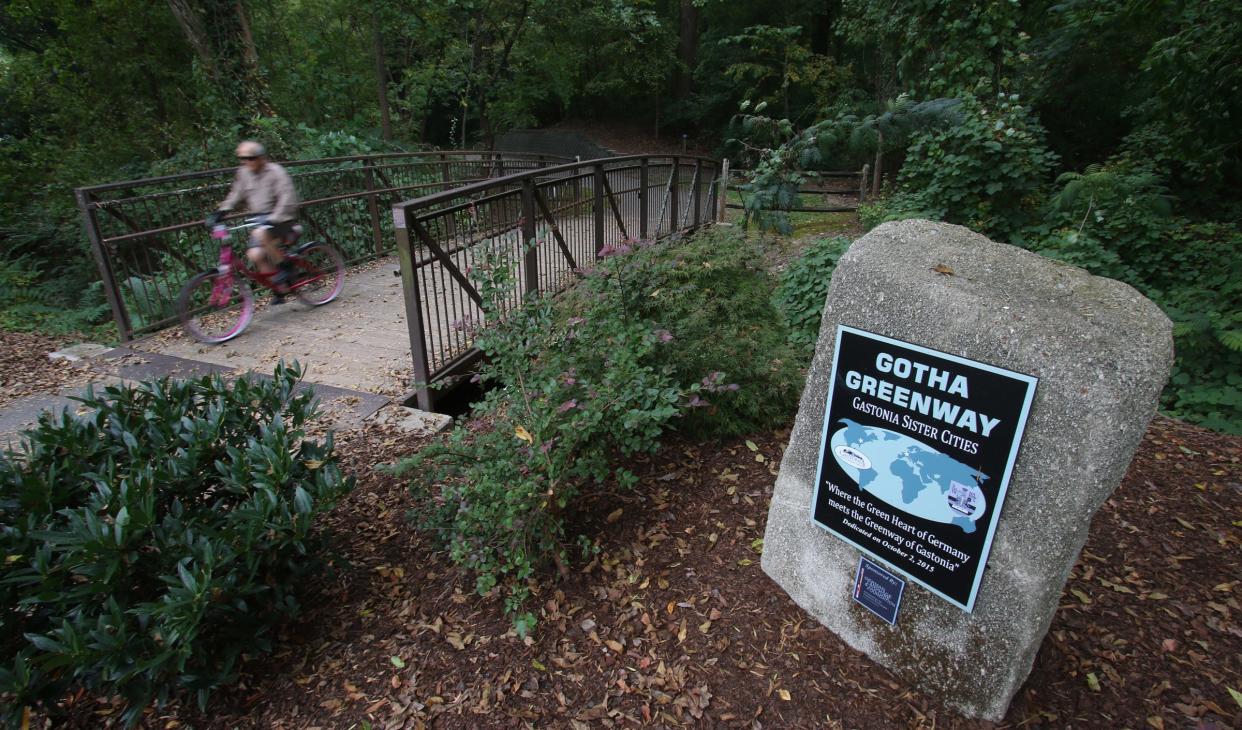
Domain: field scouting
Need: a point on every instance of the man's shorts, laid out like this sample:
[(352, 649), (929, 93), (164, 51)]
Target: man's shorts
[(280, 230)]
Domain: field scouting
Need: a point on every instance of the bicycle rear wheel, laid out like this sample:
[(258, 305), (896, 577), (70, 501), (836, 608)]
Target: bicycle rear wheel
[(215, 307), (319, 274)]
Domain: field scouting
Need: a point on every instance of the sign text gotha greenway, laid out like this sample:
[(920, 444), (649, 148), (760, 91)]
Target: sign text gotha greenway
[(918, 448)]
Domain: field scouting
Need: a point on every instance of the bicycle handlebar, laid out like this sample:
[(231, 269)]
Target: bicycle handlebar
[(220, 230)]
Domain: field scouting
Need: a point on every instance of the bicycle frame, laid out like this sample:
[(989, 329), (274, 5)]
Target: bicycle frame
[(227, 267)]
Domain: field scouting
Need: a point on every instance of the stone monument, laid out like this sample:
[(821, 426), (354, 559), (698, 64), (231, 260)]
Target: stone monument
[(985, 401)]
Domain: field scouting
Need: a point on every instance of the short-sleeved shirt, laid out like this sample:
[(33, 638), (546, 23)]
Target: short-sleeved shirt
[(270, 190)]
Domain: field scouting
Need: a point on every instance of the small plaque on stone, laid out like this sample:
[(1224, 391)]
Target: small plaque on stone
[(878, 590)]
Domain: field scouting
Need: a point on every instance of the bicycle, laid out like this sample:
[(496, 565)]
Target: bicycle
[(217, 305)]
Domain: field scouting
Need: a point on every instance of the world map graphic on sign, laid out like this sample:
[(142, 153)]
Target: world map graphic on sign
[(910, 475)]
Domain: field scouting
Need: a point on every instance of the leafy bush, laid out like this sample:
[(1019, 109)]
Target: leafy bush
[(1111, 220), (32, 302), (583, 382), (1115, 220), (1202, 294), (985, 172), (152, 541), (715, 299), (803, 289)]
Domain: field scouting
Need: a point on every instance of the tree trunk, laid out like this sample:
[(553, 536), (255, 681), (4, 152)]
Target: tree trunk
[(879, 161), (219, 33), (255, 85), (381, 77), (187, 16), (687, 47)]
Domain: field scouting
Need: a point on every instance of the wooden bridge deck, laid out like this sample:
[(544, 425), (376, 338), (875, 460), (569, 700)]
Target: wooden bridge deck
[(361, 340)]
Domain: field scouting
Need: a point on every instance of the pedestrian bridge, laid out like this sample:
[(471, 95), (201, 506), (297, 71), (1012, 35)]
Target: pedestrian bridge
[(410, 225)]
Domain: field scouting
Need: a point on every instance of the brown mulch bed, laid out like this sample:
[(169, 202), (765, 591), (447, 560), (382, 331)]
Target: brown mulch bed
[(25, 369), (673, 623)]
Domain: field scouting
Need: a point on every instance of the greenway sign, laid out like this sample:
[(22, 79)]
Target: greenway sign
[(917, 450)]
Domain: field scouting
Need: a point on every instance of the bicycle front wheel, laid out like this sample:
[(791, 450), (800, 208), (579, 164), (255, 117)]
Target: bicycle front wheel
[(319, 274), (215, 307)]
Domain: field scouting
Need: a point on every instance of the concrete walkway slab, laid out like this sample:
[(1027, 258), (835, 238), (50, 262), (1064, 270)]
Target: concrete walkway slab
[(359, 342)]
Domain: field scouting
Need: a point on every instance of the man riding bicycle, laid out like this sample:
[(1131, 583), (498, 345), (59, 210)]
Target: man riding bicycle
[(265, 189)]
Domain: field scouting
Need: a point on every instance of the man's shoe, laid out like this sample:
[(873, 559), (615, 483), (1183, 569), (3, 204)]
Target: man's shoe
[(277, 299)]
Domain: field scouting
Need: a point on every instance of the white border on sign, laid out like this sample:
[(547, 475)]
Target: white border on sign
[(1030, 380)]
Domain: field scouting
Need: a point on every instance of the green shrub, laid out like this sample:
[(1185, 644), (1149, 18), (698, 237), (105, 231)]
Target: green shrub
[(711, 292), (587, 380), (1111, 220), (985, 172), (803, 289), (152, 541), (31, 301), (1115, 220), (1202, 293)]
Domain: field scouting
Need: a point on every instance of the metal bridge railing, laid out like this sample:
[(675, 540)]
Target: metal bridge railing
[(147, 238), (549, 222)]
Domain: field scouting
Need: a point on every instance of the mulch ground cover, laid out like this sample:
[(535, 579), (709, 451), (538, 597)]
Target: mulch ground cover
[(673, 623), (25, 369)]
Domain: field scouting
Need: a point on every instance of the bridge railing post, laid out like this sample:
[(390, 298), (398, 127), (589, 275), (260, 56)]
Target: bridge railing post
[(643, 211), (377, 233), (598, 185), (413, 309), (674, 182), (530, 248), (111, 290), (696, 192)]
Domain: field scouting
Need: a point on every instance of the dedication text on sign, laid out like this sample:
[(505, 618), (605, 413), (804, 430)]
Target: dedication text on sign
[(918, 447)]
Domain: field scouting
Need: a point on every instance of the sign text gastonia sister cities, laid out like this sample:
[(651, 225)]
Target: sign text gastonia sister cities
[(918, 448)]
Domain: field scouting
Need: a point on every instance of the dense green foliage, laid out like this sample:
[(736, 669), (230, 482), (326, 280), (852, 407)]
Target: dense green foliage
[(582, 383), (152, 541), (803, 289)]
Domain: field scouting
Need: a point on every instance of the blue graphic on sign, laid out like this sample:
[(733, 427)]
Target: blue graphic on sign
[(878, 590), (910, 475)]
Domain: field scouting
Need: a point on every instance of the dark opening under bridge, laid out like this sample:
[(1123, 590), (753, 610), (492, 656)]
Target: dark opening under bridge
[(388, 335)]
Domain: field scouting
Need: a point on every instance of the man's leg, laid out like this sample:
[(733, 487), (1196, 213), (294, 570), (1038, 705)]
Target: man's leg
[(259, 251)]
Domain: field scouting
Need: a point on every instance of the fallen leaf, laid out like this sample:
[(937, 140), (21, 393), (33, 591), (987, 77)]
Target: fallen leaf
[(784, 693), (397, 662), (1093, 682), (523, 434), (615, 515), (1236, 695), (751, 445)]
